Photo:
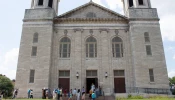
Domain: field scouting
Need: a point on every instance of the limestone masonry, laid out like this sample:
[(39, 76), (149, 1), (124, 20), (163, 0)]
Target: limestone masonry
[(91, 44)]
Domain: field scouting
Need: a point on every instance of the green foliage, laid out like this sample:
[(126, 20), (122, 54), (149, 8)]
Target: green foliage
[(6, 86), (135, 97), (172, 80)]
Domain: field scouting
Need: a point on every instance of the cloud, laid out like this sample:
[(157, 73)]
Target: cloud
[(174, 57), (167, 27), (171, 74), (8, 63)]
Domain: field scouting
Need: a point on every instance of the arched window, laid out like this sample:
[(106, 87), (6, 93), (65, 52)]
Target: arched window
[(146, 35), (91, 47), (65, 46), (35, 38), (117, 47)]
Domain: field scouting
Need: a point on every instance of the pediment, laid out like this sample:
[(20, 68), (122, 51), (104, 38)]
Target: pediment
[(93, 11)]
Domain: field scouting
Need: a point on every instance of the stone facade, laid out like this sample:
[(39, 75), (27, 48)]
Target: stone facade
[(76, 27)]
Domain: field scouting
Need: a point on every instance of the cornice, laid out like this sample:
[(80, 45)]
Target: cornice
[(89, 20)]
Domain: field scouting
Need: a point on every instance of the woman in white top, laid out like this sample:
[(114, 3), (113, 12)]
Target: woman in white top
[(31, 94), (78, 94)]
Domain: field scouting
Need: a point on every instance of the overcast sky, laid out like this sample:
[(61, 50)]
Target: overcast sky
[(12, 13)]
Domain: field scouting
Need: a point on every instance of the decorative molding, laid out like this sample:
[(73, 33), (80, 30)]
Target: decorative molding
[(116, 32), (90, 20), (78, 29), (104, 29), (65, 32)]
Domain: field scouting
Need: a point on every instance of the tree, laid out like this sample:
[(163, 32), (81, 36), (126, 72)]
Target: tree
[(6, 86), (172, 80)]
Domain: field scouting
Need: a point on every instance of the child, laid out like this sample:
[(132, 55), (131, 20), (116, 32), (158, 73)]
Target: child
[(31, 94), (93, 96)]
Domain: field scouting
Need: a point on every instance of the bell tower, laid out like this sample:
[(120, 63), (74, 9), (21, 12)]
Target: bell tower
[(129, 4), (45, 4), (143, 19)]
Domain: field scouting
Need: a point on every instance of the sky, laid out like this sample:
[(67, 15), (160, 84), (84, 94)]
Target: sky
[(12, 13)]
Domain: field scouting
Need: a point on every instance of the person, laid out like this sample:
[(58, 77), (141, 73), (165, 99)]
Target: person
[(97, 92), (74, 93), (78, 94), (61, 91), (2, 94), (54, 94), (58, 93), (70, 95), (93, 96), (100, 91), (90, 93), (83, 90), (31, 94), (83, 96), (47, 93), (28, 93), (65, 92), (92, 87), (15, 93)]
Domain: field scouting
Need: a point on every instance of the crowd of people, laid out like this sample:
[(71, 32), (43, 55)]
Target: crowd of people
[(58, 93)]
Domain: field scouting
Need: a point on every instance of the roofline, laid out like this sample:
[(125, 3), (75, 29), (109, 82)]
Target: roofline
[(91, 2)]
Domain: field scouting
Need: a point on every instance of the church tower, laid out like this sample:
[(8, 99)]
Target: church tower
[(45, 4), (34, 62), (146, 44)]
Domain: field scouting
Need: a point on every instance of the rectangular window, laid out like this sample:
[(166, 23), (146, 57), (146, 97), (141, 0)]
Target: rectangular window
[(40, 2), (91, 73), (32, 75), (34, 51), (130, 3), (148, 50), (146, 35), (64, 73), (119, 73), (140, 2), (151, 75), (50, 3)]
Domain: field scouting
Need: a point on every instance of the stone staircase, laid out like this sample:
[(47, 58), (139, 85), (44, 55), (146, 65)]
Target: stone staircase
[(99, 98)]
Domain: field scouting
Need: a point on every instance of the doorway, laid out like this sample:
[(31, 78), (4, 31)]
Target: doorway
[(89, 82), (119, 85)]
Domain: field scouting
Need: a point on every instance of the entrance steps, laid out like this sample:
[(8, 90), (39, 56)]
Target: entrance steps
[(99, 98)]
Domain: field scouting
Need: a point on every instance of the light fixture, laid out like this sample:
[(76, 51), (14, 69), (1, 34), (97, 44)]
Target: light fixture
[(106, 74), (77, 75)]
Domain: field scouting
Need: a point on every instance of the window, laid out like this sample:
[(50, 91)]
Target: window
[(35, 38), (119, 73), (32, 75), (146, 35), (64, 73), (148, 50), (65, 47), (34, 51), (140, 2), (91, 47), (91, 15), (50, 3), (130, 3), (117, 47), (91, 73), (151, 75), (40, 2)]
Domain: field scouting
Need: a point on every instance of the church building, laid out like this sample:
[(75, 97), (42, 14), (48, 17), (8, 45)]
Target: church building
[(91, 44)]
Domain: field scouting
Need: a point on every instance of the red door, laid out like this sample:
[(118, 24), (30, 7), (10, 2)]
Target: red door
[(64, 83), (119, 85)]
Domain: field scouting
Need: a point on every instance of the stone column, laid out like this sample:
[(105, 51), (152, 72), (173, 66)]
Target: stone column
[(77, 68), (105, 61)]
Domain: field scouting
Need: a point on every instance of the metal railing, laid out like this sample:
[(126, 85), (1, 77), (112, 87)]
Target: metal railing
[(147, 90)]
